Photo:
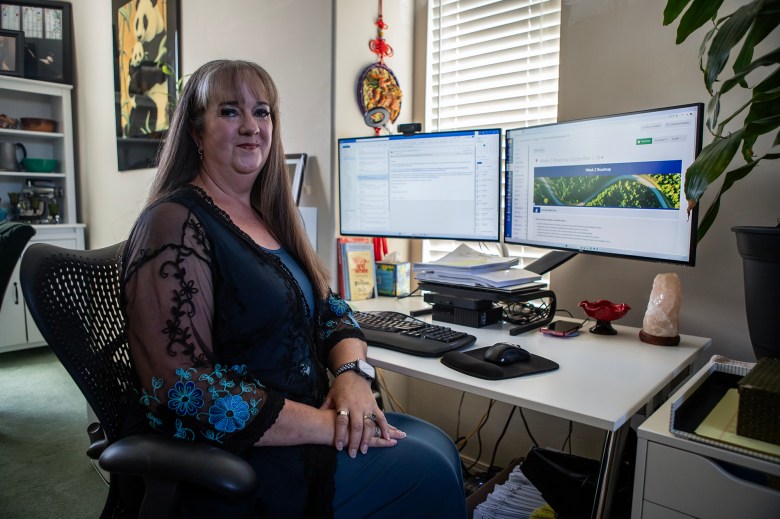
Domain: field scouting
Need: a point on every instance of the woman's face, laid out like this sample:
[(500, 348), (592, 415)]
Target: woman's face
[(236, 135)]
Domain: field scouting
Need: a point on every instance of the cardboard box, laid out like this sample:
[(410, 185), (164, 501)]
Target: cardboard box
[(393, 279)]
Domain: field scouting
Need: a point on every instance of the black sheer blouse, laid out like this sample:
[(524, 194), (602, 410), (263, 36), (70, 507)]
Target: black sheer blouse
[(219, 328)]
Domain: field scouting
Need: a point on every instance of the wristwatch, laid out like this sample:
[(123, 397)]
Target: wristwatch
[(359, 366)]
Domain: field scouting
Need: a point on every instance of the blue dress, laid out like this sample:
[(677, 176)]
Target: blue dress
[(221, 334)]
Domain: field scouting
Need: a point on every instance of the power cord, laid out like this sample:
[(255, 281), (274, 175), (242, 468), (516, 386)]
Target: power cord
[(501, 437), (394, 403), (527, 429), (568, 437)]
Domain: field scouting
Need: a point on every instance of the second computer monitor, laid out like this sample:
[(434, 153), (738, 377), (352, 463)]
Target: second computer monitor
[(611, 185), (428, 185)]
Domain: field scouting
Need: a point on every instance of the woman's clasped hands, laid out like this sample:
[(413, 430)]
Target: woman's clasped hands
[(359, 423)]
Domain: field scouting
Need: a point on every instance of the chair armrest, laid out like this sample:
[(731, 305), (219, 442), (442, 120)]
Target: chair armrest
[(179, 460)]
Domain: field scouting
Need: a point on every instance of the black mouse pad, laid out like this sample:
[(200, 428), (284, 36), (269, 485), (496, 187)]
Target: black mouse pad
[(472, 363)]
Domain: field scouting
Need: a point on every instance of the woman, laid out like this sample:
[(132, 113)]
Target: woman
[(232, 327)]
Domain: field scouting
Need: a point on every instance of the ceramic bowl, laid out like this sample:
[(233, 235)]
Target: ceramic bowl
[(34, 165), (36, 124)]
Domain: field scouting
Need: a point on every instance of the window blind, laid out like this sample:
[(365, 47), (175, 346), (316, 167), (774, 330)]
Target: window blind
[(491, 64)]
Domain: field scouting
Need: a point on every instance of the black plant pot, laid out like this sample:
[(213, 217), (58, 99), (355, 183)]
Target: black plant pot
[(760, 251)]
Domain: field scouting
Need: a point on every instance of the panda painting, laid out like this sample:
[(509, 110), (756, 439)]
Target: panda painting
[(146, 67), (149, 30)]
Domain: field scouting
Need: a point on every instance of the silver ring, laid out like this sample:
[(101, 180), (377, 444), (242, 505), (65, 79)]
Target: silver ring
[(343, 412), (377, 431), (371, 417)]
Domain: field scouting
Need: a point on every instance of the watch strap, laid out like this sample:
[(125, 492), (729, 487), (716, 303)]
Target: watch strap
[(355, 366), (349, 366)]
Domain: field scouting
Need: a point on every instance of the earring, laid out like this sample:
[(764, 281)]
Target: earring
[(200, 153)]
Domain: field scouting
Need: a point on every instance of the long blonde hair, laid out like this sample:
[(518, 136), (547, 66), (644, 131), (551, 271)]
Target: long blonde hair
[(271, 197)]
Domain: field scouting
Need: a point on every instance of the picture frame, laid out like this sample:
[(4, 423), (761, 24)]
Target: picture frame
[(11, 53), (146, 77), (296, 165), (47, 35)]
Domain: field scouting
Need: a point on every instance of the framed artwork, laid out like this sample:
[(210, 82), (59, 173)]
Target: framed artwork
[(146, 75), (46, 28), (11, 53)]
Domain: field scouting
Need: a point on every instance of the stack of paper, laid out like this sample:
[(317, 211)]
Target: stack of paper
[(467, 267), (517, 498)]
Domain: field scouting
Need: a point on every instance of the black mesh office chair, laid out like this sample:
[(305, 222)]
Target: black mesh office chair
[(74, 298), (13, 238)]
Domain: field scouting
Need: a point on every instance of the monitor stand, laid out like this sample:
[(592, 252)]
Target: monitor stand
[(477, 306)]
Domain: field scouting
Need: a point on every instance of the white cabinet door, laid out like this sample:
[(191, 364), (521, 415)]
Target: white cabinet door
[(12, 315)]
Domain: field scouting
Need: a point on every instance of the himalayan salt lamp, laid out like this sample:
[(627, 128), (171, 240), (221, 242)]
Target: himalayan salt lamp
[(661, 322)]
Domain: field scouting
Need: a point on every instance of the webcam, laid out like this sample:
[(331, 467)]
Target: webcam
[(409, 128)]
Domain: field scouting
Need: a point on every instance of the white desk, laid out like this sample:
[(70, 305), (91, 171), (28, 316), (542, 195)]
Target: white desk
[(602, 381)]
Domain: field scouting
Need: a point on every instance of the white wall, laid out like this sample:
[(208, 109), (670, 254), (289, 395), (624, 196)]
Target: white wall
[(616, 56)]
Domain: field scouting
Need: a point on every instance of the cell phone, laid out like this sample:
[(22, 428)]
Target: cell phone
[(561, 328)]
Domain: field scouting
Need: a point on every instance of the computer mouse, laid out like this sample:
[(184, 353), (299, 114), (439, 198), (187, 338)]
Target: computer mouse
[(505, 353)]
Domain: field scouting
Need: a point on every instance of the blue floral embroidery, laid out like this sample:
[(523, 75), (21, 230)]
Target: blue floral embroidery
[(338, 306), (182, 432), (226, 412), (185, 398), (229, 413), (153, 420), (146, 399)]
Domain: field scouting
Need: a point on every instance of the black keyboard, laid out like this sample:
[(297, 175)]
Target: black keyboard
[(400, 332)]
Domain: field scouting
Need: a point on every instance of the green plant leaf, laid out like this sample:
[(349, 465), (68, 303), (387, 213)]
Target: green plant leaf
[(763, 25), (713, 111), (709, 165), (769, 87), (699, 13), (760, 114), (772, 58), (757, 123), (729, 35), (673, 10), (703, 51), (712, 211)]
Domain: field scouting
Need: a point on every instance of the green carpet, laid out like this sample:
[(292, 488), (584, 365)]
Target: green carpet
[(44, 471)]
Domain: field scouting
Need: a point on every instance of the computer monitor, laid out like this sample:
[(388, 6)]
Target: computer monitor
[(296, 165), (424, 185), (610, 185)]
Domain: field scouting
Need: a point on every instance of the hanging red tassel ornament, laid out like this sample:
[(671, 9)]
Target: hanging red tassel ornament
[(379, 94), (379, 46)]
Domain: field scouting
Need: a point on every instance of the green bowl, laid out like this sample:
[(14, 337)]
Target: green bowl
[(39, 165)]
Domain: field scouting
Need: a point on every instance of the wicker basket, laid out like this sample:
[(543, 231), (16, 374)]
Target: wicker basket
[(759, 402)]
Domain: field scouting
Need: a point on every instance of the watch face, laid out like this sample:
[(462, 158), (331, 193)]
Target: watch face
[(366, 368)]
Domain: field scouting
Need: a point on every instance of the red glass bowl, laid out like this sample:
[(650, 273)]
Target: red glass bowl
[(604, 311)]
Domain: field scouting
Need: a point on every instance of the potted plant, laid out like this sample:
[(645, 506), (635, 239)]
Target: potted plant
[(743, 29)]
